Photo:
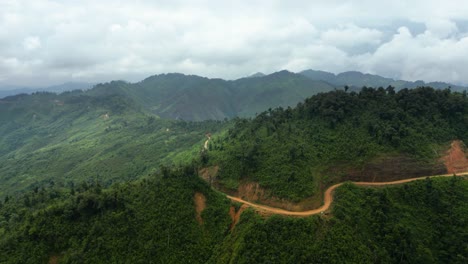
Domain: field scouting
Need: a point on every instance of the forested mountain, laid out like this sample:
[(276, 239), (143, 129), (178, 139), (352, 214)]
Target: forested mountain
[(358, 79), (96, 176), (188, 97), (78, 136), (158, 220), (373, 135)]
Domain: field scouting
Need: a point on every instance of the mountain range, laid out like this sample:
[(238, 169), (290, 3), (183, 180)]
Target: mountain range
[(358, 80), (9, 90), (95, 177), (195, 98)]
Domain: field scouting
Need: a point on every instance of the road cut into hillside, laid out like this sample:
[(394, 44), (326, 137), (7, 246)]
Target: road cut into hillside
[(328, 197)]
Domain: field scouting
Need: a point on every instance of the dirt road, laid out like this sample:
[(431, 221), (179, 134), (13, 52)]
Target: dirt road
[(328, 197)]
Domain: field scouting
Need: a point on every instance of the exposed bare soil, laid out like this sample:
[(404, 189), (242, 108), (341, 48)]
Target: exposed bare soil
[(209, 173), (200, 204), (252, 191), (235, 216), (53, 259), (455, 160)]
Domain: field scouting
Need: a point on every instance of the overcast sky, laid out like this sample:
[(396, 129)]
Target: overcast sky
[(45, 42)]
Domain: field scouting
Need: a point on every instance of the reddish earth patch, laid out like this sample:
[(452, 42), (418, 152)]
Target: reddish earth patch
[(252, 191), (235, 216), (53, 259), (200, 204), (209, 173), (455, 161)]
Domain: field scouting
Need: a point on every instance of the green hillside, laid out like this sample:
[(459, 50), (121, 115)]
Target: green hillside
[(78, 136), (419, 222), (98, 177), (188, 97), (282, 89), (155, 221), (374, 135)]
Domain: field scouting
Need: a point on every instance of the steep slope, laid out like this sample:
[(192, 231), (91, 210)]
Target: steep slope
[(188, 97), (152, 220), (419, 222), (374, 135), (156, 220), (101, 136), (81, 136), (280, 89)]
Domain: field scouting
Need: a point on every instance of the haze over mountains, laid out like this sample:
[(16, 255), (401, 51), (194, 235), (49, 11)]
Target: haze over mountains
[(8, 90), (191, 97), (359, 79)]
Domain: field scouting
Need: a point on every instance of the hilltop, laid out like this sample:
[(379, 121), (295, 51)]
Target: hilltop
[(293, 154)]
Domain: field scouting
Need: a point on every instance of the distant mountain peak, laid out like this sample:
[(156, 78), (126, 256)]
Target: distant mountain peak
[(358, 79), (257, 74)]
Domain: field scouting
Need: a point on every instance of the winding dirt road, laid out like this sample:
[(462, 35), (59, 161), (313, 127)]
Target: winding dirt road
[(328, 198)]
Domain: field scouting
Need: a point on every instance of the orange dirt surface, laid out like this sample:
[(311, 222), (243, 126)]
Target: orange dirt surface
[(53, 259), (328, 197), (200, 204), (235, 216), (252, 191), (455, 161)]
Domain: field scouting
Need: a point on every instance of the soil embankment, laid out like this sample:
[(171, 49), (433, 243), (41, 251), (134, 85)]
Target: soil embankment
[(235, 215), (455, 161), (200, 204)]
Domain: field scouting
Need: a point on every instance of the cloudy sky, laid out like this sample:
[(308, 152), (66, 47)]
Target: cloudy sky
[(45, 42)]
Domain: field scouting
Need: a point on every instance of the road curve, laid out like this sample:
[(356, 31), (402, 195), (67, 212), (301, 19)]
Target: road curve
[(328, 197)]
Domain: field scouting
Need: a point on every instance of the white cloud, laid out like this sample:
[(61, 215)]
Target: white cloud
[(441, 28), (425, 56), (350, 35), (31, 43), (51, 41)]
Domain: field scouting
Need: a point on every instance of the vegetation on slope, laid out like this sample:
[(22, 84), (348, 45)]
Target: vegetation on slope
[(154, 221), (67, 148), (189, 97), (72, 137), (147, 221), (419, 222), (295, 152)]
